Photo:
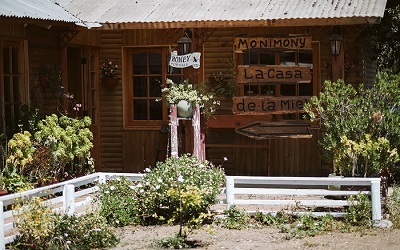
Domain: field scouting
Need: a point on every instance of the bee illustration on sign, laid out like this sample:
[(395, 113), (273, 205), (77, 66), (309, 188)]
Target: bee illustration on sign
[(184, 61)]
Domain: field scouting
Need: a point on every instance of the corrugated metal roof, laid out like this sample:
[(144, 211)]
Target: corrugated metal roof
[(124, 11), (181, 11), (36, 9)]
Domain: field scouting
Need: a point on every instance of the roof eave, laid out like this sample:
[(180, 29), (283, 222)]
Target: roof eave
[(241, 23)]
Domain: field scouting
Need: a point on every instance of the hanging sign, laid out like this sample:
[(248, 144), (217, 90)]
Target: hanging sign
[(289, 42), (274, 73), (184, 61)]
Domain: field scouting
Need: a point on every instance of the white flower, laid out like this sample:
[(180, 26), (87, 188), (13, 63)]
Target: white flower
[(180, 178), (117, 221), (159, 180), (201, 165), (225, 159), (112, 187), (107, 192), (147, 183), (139, 185), (141, 190), (147, 170), (132, 187), (158, 186)]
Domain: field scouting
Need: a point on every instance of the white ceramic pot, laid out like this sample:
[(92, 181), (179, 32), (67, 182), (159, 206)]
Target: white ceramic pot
[(184, 109)]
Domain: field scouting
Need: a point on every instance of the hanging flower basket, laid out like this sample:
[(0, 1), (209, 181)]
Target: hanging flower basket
[(184, 109), (109, 82)]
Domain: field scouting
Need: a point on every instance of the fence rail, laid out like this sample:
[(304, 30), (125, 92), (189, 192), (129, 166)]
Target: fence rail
[(73, 195)]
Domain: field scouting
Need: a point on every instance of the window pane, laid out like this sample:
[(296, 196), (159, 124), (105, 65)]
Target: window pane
[(7, 89), (251, 89), (288, 58), (140, 109), (288, 89), (305, 58), (250, 58), (140, 86), (267, 90), (15, 88), (306, 89), (268, 59), (139, 63), (155, 63), (155, 110), (155, 86)]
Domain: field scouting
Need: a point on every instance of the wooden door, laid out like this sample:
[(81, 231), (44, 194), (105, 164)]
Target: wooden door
[(82, 82)]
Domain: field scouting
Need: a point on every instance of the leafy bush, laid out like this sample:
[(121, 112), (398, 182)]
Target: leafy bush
[(270, 218), (160, 189), (359, 212), (393, 206), (235, 218), (40, 228), (59, 149), (361, 135), (118, 202)]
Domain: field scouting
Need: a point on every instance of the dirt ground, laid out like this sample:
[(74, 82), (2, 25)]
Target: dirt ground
[(138, 237)]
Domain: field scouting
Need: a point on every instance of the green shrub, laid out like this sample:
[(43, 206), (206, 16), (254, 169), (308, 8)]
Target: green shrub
[(393, 206), (235, 218), (118, 202), (270, 218), (160, 190), (359, 211), (307, 225), (40, 228)]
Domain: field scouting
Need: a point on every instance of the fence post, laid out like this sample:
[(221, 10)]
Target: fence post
[(230, 195), (376, 200), (69, 199), (2, 241), (102, 178)]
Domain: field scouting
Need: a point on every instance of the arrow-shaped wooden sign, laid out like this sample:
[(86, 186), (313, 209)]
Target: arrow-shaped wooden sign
[(269, 130)]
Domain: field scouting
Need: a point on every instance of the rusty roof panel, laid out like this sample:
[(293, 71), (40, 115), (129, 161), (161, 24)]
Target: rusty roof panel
[(36, 9), (120, 11)]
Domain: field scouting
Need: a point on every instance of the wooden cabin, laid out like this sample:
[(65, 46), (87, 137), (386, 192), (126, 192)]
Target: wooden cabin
[(282, 50)]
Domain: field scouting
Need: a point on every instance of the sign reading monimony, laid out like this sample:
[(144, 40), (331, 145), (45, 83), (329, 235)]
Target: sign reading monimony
[(287, 42), (273, 73), (184, 61), (245, 105)]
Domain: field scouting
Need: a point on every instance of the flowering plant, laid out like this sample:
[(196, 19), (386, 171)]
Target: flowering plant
[(201, 95), (108, 69)]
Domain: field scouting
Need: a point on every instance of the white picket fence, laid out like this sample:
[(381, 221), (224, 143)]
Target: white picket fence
[(73, 196)]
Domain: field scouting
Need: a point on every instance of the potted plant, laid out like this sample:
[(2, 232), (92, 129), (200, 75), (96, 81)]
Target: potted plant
[(109, 71), (186, 96), (50, 76)]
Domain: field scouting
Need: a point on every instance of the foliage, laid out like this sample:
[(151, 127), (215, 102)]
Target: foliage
[(158, 200), (108, 69), (52, 73), (270, 218), (40, 228), (365, 117), (69, 143), (87, 231), (118, 202), (224, 83), (307, 225), (235, 218), (59, 149), (176, 242), (20, 150), (377, 154), (35, 223), (359, 211), (385, 38), (197, 95), (393, 206)]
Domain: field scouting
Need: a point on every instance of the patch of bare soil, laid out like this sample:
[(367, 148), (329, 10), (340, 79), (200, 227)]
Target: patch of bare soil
[(139, 237)]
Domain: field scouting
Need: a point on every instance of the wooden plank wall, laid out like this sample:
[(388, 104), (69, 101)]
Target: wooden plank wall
[(111, 115)]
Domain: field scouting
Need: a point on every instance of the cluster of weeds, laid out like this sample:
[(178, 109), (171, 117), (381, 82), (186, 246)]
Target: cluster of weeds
[(235, 218), (393, 206), (359, 211)]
